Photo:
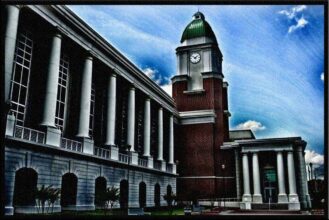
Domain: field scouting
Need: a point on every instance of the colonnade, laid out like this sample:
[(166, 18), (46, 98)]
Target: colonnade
[(257, 195), (49, 106)]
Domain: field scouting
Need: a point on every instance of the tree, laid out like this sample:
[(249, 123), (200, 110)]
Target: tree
[(109, 197), (41, 196), (54, 195), (170, 198), (46, 194)]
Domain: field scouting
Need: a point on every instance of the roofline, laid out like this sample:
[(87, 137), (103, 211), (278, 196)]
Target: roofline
[(252, 133), (271, 140)]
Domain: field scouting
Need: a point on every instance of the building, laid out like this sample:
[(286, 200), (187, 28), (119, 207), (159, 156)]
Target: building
[(83, 117), (213, 160)]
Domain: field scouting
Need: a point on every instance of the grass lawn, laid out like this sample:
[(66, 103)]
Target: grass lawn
[(177, 211)]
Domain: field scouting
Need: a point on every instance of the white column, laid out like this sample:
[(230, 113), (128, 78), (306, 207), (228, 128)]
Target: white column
[(171, 139), (147, 127), (52, 82), (246, 184), (303, 185), (111, 110), (257, 197), (237, 173), (292, 178), (86, 81), (131, 119), (10, 44), (282, 197), (160, 134)]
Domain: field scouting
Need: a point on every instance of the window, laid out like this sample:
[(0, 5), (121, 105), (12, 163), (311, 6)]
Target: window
[(62, 91), (21, 76), (92, 110)]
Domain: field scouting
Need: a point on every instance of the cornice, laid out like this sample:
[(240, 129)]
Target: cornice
[(197, 117)]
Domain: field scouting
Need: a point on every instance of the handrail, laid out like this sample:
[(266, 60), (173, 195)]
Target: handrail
[(71, 144), (157, 165), (29, 134), (142, 162), (169, 168), (102, 152), (124, 158)]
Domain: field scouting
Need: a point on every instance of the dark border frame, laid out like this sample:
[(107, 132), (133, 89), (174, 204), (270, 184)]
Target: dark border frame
[(324, 3)]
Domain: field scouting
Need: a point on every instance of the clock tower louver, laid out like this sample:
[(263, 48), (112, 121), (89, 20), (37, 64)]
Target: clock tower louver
[(201, 97)]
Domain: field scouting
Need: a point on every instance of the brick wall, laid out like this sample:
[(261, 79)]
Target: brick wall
[(199, 151)]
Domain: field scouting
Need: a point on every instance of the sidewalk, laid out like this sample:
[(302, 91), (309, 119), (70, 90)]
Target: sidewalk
[(263, 212)]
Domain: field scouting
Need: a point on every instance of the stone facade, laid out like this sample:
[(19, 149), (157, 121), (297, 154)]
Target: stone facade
[(51, 164)]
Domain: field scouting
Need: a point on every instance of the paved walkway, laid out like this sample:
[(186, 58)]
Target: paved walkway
[(264, 212)]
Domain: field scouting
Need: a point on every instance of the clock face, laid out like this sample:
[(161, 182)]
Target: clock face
[(195, 57)]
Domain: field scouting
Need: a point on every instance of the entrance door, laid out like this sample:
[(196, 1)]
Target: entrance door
[(269, 184), (270, 195)]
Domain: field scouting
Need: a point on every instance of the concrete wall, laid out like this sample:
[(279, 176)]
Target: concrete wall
[(51, 167)]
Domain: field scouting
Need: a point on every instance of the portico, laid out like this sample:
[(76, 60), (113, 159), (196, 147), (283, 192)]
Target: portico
[(269, 172)]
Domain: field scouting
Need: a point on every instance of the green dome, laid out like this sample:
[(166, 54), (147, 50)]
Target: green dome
[(199, 27)]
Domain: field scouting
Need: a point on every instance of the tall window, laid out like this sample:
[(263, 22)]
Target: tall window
[(62, 91), (21, 76), (92, 110)]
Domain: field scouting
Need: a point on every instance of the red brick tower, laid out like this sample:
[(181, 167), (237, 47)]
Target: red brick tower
[(201, 98)]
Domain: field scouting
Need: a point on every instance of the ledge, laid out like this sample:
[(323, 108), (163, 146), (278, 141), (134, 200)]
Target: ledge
[(216, 75), (227, 113), (179, 78), (194, 92), (225, 84), (229, 145), (51, 150), (197, 117)]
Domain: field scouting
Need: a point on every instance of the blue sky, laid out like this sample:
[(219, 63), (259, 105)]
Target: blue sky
[(273, 59)]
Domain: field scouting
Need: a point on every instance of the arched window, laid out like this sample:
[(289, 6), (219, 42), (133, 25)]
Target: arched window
[(157, 195), (69, 189), (142, 195), (100, 188), (25, 187), (124, 191), (169, 190)]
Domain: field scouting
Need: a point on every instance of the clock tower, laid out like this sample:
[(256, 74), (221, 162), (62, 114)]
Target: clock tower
[(201, 98)]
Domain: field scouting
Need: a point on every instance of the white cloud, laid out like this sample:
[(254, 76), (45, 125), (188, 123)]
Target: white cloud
[(252, 125), (167, 88), (322, 76), (300, 24), (150, 72), (293, 12), (313, 157)]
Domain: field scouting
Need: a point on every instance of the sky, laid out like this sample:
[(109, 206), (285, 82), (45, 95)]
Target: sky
[(273, 59)]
